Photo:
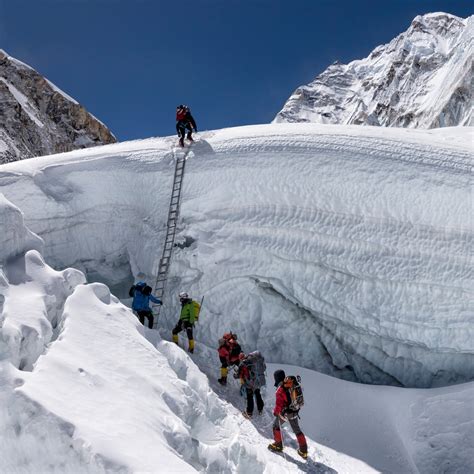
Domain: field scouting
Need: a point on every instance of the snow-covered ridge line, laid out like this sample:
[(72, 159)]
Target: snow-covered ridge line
[(421, 79), (353, 242)]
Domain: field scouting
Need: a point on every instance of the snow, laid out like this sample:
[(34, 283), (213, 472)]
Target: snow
[(369, 278), (23, 101), (66, 96), (3, 146), (417, 430), (310, 267), (99, 394), (22, 65), (16, 61), (421, 79), (15, 238)]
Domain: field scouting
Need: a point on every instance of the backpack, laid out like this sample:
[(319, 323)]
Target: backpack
[(144, 290), (197, 309), (294, 389), (181, 114), (255, 364)]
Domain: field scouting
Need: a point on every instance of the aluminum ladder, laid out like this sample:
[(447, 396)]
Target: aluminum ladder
[(171, 224)]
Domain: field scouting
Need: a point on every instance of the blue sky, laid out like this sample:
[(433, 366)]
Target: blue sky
[(235, 62)]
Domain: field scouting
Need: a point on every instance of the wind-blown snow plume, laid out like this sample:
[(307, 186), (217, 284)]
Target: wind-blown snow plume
[(422, 78)]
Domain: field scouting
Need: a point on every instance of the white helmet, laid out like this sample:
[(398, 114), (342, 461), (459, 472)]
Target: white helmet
[(183, 295)]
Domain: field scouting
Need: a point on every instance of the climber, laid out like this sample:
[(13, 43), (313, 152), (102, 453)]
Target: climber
[(229, 350), (252, 377), (184, 121), (189, 315), (283, 412), (142, 296)]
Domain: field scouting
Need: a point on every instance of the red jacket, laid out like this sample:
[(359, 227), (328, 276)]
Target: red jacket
[(230, 351), (282, 401), (223, 351)]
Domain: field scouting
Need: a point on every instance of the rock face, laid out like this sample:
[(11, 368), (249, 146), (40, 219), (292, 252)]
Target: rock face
[(422, 79), (37, 118)]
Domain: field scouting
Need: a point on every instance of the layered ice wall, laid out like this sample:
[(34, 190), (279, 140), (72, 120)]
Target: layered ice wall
[(83, 391), (338, 248)]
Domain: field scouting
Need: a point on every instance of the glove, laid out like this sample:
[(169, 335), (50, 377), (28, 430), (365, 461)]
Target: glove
[(242, 391)]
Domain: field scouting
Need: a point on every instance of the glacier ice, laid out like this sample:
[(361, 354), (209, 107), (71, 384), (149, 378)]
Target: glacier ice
[(100, 397), (342, 249)]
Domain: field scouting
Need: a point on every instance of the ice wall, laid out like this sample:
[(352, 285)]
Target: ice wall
[(337, 248)]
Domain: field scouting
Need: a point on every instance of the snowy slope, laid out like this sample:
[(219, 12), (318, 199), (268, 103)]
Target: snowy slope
[(83, 391), (37, 118), (342, 249), (422, 79), (91, 394)]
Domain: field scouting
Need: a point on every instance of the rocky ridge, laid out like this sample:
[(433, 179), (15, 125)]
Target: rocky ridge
[(37, 118)]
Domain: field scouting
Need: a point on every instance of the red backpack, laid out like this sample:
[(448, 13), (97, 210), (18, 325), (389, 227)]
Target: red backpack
[(181, 114)]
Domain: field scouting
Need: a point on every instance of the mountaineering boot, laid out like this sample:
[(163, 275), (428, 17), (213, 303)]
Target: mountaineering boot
[(303, 447), (303, 454), (175, 338), (191, 346), (223, 379), (275, 447), (247, 415), (181, 142), (189, 136)]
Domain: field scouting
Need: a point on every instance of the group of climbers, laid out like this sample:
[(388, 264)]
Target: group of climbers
[(141, 294), (250, 369)]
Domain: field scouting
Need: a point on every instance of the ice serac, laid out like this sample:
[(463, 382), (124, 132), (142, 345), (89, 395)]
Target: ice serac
[(15, 237), (37, 118), (421, 79), (347, 249)]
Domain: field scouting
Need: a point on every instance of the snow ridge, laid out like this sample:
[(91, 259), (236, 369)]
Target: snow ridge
[(421, 79), (371, 275)]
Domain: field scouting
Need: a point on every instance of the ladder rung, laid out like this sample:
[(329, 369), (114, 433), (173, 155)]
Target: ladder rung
[(171, 224)]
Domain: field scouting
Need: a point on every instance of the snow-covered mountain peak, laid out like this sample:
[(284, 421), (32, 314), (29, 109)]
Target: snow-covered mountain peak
[(421, 79), (37, 118)]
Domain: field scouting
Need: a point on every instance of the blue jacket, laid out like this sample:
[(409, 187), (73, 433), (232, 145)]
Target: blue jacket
[(141, 302)]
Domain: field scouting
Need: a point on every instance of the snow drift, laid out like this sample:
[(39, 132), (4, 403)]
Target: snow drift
[(341, 249)]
